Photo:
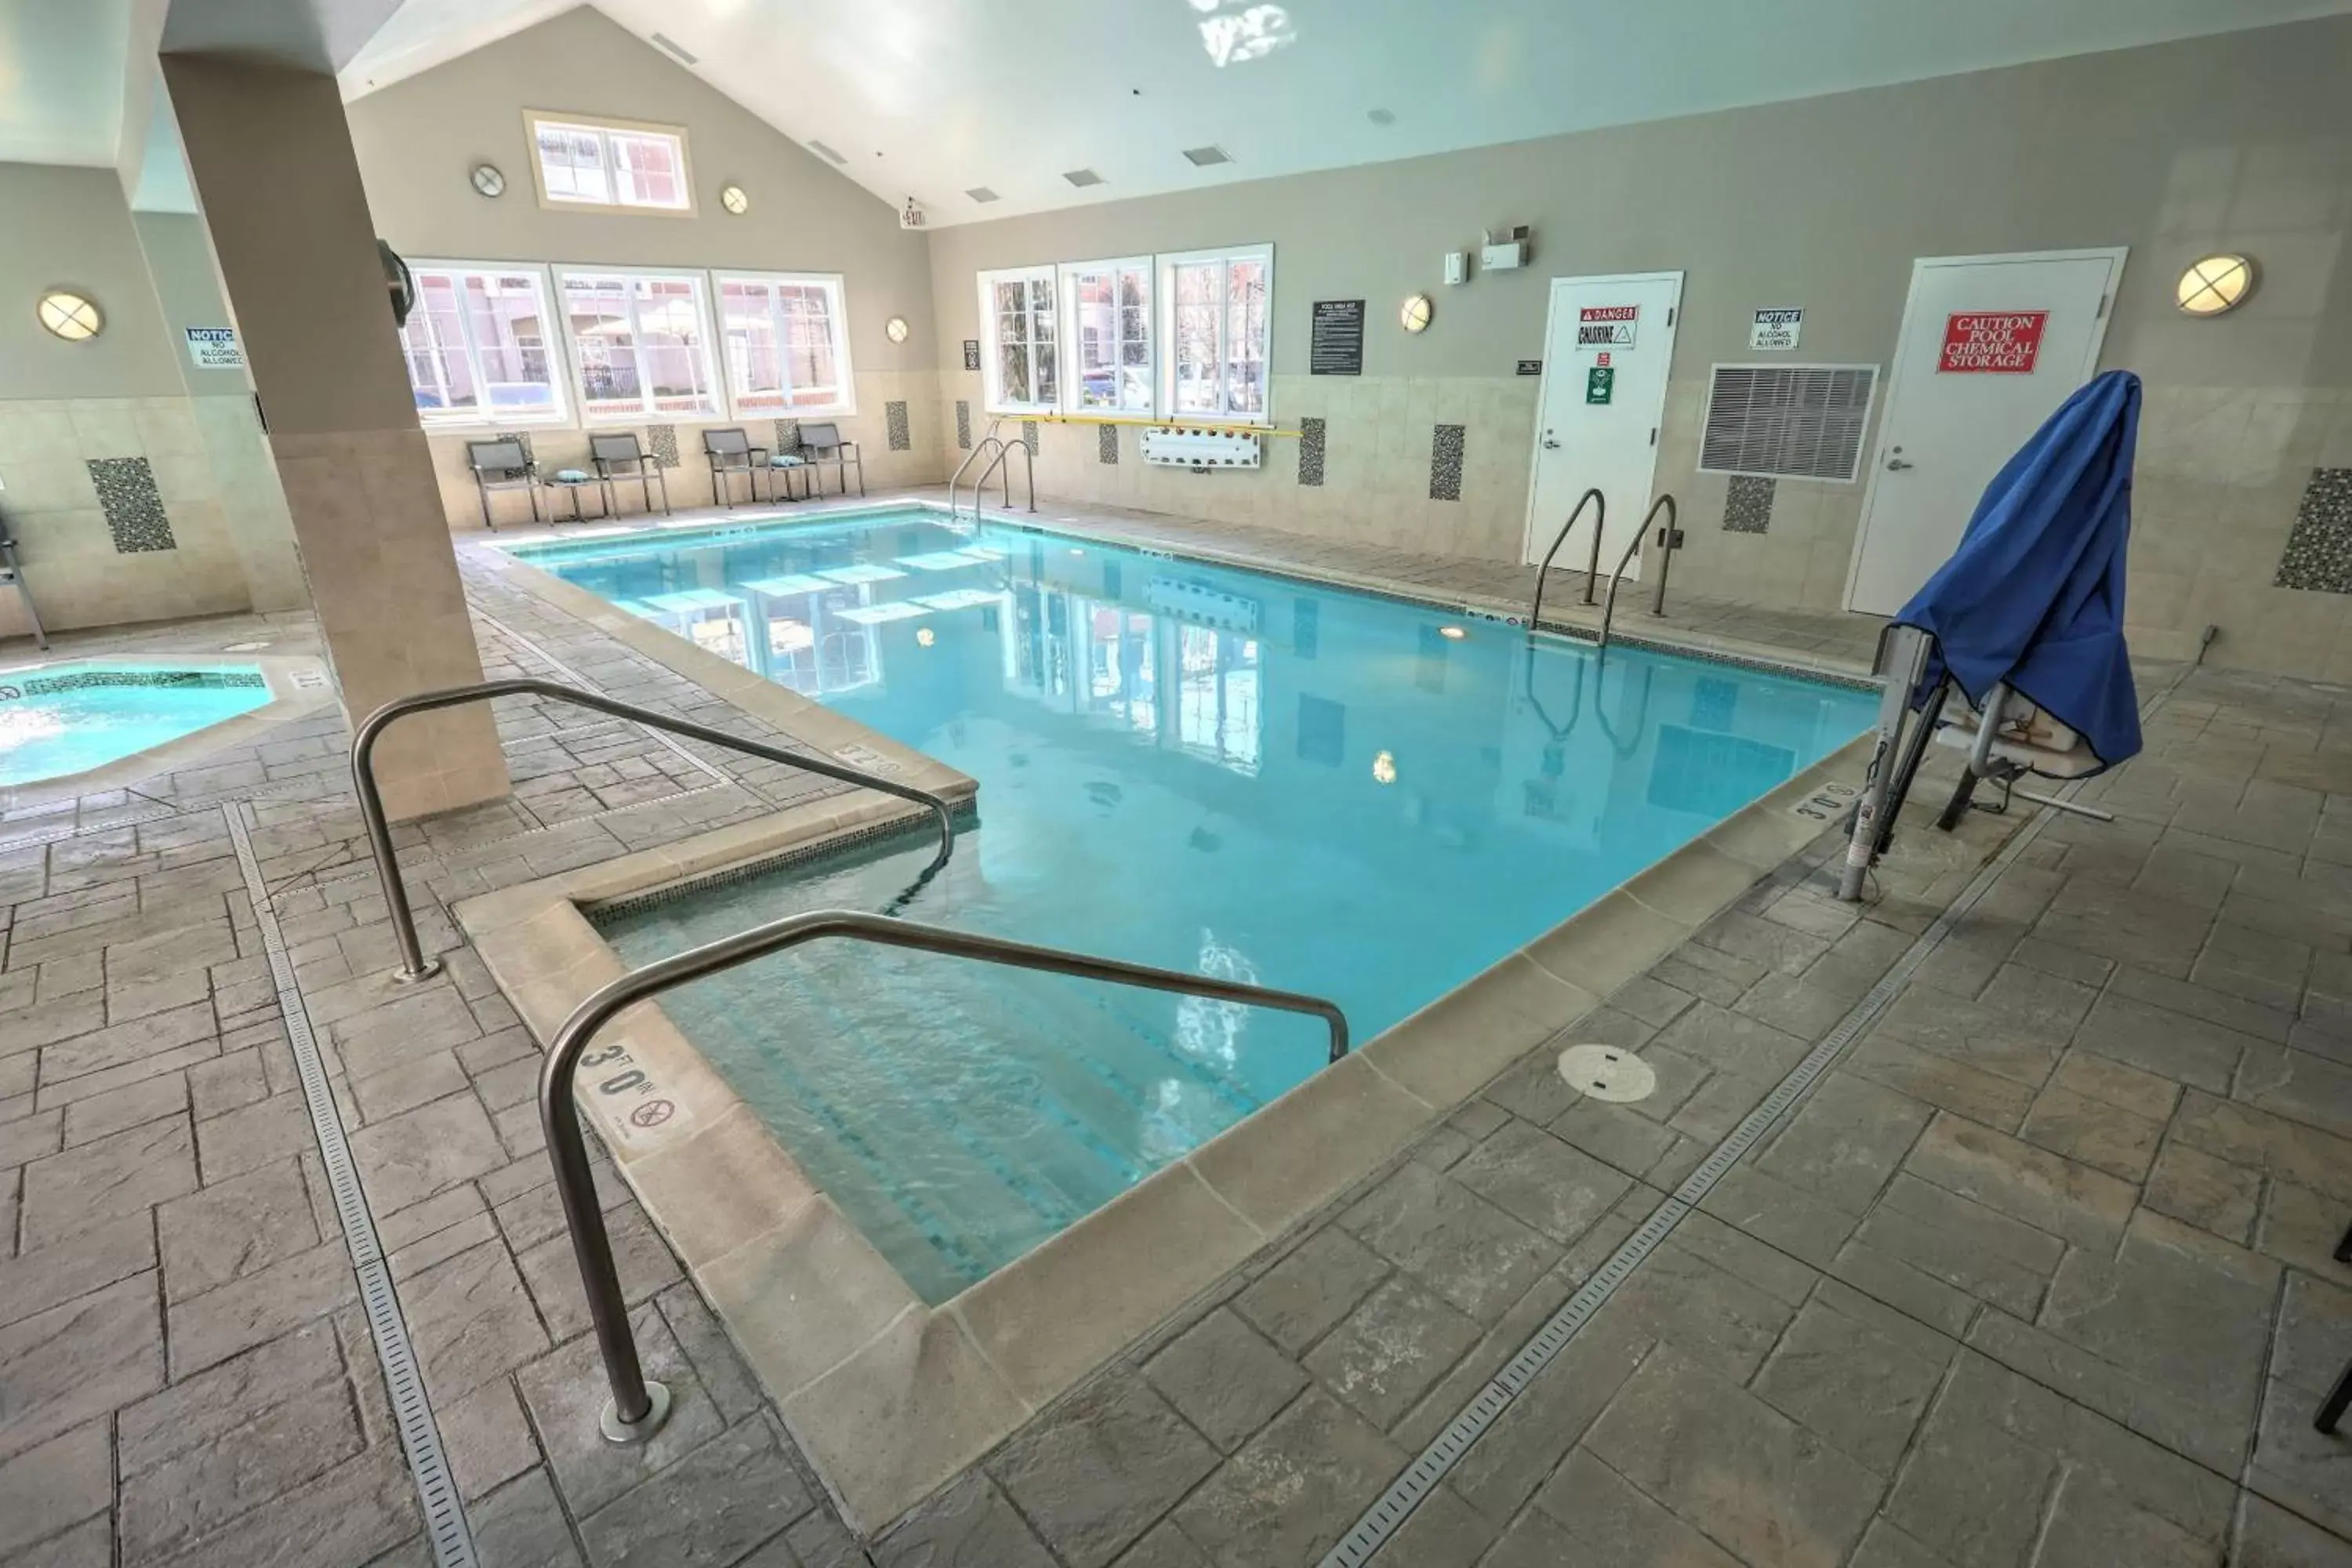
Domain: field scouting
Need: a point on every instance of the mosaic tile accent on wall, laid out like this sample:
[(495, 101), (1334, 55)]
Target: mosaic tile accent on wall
[(134, 508), (1310, 451), (964, 426), (1029, 435), (2319, 551), (788, 435), (1749, 508), (661, 440), (1107, 444), (894, 419), (1445, 463)]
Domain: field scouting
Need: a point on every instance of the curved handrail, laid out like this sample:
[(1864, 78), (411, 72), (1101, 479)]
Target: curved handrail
[(1600, 516), (413, 965), (987, 441), (1610, 609), (1004, 450), (637, 1408)]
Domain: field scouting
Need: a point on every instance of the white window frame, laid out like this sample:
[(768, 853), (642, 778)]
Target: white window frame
[(1071, 373), (837, 305), (717, 408), (993, 395), (604, 129), (1164, 348), (558, 345)]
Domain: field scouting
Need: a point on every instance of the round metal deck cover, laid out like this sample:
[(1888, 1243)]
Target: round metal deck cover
[(1608, 1072)]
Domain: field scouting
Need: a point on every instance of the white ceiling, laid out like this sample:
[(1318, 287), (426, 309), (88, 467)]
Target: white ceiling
[(61, 80), (928, 98)]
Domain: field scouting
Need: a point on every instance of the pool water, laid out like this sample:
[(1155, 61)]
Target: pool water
[(62, 719), (1179, 765)]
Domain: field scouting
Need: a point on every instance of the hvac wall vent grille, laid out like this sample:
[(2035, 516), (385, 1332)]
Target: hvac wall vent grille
[(1083, 178), (667, 42), (821, 148), (1203, 157), (981, 194), (1790, 421)]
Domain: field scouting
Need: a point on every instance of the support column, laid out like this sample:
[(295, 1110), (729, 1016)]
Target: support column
[(274, 169)]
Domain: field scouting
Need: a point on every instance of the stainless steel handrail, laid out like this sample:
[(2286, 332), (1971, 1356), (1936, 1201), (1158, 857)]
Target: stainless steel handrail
[(1609, 609), (1600, 515), (990, 439), (1003, 455), (638, 1407), (414, 964)]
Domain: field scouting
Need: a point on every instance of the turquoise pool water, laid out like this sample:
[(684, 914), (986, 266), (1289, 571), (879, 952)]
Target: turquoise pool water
[(62, 719), (1181, 764)]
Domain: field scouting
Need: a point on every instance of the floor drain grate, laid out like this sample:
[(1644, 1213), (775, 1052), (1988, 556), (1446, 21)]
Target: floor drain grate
[(420, 1439)]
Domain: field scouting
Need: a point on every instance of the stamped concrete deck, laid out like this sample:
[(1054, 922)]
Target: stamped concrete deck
[(2039, 1273)]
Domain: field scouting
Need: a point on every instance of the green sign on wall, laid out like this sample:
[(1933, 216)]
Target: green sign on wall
[(1598, 383)]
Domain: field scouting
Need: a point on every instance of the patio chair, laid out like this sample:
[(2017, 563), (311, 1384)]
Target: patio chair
[(822, 447), (505, 464), (731, 452), (619, 456)]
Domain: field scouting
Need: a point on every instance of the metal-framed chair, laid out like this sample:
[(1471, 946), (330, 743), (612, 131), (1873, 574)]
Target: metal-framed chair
[(505, 464), (730, 451), (822, 446), (619, 455)]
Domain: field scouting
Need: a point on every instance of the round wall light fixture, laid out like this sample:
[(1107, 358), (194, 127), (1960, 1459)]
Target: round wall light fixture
[(896, 328), (489, 180), (71, 316), (735, 199), (2215, 286), (1414, 316)]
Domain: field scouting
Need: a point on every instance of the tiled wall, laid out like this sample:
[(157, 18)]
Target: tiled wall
[(141, 509), (897, 428)]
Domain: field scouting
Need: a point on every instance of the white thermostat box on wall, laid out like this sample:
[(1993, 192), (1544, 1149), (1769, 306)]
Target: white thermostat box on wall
[(1457, 267)]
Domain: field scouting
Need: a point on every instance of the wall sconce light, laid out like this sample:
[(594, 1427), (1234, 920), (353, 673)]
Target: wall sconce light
[(2215, 286), (73, 317), (1414, 316), (735, 199), (895, 329)]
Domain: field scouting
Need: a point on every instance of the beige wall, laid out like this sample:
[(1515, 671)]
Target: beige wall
[(125, 394), (419, 141), (2241, 142)]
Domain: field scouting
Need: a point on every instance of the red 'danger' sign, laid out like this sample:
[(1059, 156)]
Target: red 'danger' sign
[(1996, 343)]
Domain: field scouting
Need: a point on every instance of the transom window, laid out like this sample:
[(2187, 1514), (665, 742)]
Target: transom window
[(786, 351), (1018, 310), (585, 162), (639, 343), (1217, 315), (479, 348), (1108, 307)]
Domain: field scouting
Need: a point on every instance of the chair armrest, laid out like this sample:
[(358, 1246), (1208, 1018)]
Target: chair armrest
[(759, 452)]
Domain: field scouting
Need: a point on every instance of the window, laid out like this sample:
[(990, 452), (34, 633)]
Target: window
[(786, 345), (1215, 325), (586, 164), (640, 344), (1017, 313), (477, 346), (1108, 305)]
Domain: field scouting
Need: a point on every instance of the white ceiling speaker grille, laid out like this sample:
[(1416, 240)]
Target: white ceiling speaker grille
[(1082, 178), (819, 147), (1789, 421), (981, 194), (1206, 157)]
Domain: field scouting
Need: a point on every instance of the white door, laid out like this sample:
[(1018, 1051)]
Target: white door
[(1606, 354), (1990, 345)]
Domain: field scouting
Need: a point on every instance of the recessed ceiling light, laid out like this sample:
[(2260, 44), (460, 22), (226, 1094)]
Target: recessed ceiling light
[(1381, 116), (821, 148), (1206, 157), (1083, 178), (981, 194)]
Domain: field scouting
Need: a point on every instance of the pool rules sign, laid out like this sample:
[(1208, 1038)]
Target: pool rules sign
[(1991, 342)]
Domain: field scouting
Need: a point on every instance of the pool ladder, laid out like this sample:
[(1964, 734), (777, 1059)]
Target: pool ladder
[(1670, 539), (999, 463), (639, 1406)]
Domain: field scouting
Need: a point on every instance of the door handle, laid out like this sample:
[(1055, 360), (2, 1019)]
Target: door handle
[(1895, 465)]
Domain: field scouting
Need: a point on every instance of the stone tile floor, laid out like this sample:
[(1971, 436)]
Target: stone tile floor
[(2038, 1274)]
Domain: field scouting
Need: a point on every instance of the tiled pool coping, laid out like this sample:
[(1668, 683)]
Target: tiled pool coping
[(298, 685), (888, 1397)]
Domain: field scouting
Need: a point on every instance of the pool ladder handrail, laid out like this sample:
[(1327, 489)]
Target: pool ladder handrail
[(1669, 537), (639, 1407), (990, 440), (414, 965), (1600, 516)]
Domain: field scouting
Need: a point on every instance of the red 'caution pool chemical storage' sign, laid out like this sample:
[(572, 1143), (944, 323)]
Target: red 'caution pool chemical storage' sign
[(1992, 342)]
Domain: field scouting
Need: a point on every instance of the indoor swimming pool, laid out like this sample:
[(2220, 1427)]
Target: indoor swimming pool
[(1182, 765), (58, 719)]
